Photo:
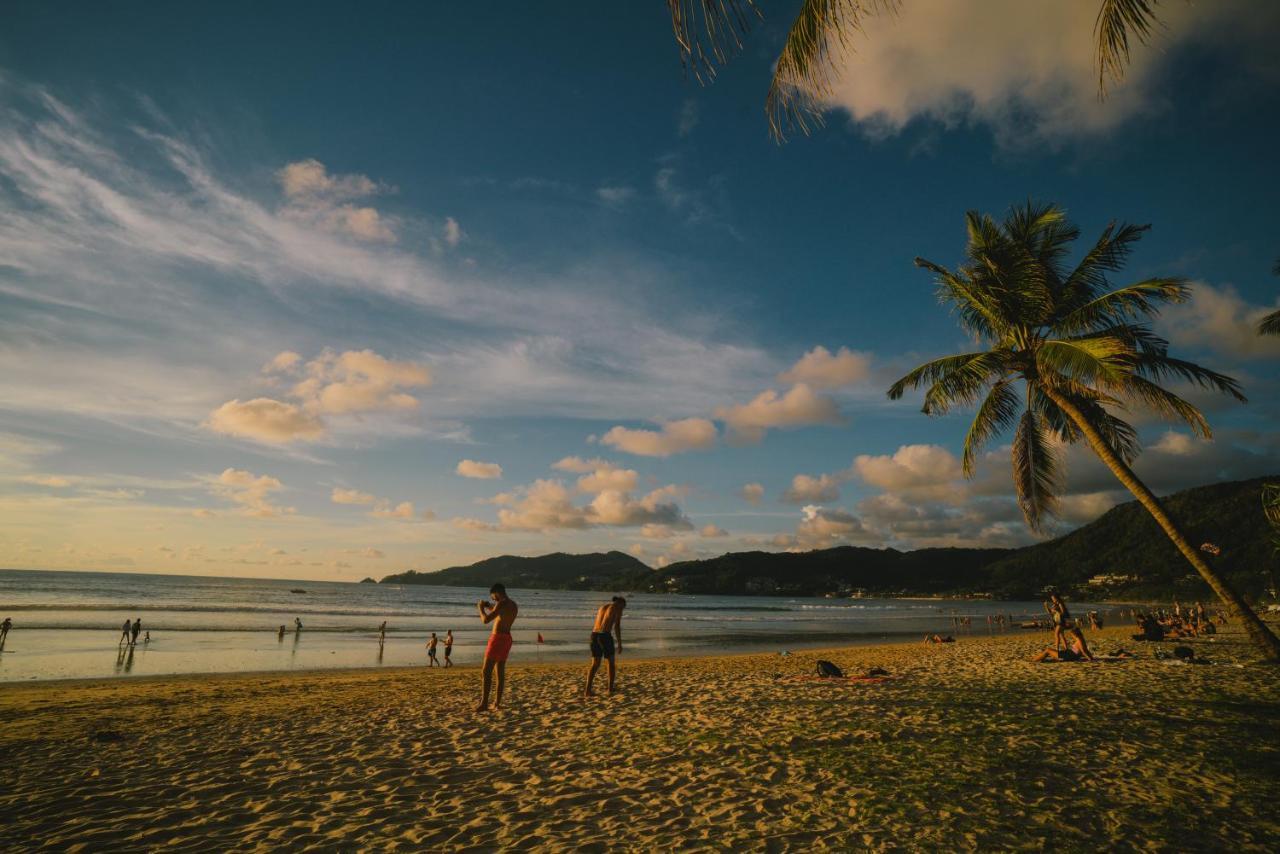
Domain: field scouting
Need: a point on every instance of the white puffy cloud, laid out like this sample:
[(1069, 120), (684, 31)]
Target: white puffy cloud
[(383, 509), (920, 470), (543, 505), (332, 384), (822, 528), (806, 489), (820, 369), (1220, 320), (478, 470), (548, 505), (752, 493), (251, 493), (1024, 69), (710, 531), (350, 496), (608, 479), (265, 420), (578, 465), (323, 200), (798, 407), (615, 508), (674, 437)]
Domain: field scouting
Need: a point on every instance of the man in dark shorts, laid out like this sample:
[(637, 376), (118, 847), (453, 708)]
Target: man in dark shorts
[(502, 613), (448, 648), (137, 628), (432, 661), (608, 623)]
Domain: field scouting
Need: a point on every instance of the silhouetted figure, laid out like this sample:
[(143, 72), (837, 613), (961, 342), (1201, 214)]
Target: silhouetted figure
[(137, 628), (4, 630), (280, 634), (147, 639), (382, 633), (124, 633), (448, 648), (297, 625)]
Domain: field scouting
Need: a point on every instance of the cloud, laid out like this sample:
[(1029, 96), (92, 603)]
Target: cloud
[(265, 420), (615, 196), (806, 489), (545, 504), (820, 369), (350, 496), (1024, 69), (578, 465), (1220, 320), (615, 508), (608, 478), (919, 470), (54, 481), (251, 493), (752, 493), (799, 406), (478, 470), (371, 552), (674, 437), (822, 528), (688, 118), (710, 531), (453, 233), (382, 509), (548, 505), (354, 382), (323, 200)]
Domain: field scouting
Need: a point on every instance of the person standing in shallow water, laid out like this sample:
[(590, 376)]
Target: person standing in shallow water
[(137, 629), (124, 634), (4, 630), (608, 623), (448, 649), (502, 613), (432, 661)]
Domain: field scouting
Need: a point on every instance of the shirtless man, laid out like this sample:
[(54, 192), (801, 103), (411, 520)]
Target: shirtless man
[(608, 619), (502, 613), (432, 661)]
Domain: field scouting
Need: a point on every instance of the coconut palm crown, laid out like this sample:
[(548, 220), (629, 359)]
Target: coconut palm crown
[(1062, 353), (1270, 324)]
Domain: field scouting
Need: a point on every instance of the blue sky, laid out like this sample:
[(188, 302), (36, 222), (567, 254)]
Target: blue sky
[(514, 237)]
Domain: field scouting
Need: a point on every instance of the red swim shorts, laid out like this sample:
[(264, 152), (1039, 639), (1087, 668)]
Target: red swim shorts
[(499, 647)]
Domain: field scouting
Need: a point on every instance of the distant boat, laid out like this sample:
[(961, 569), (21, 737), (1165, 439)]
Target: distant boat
[(297, 590)]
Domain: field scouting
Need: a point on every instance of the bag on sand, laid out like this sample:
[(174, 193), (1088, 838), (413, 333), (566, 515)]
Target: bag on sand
[(827, 670)]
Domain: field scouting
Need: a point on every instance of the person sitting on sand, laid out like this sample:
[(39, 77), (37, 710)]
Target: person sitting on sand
[(502, 613), (448, 649), (1062, 622), (432, 661), (1071, 651), (929, 639), (608, 619)]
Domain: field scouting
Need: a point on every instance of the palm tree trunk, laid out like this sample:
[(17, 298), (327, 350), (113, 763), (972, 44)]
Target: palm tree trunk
[(1265, 641)]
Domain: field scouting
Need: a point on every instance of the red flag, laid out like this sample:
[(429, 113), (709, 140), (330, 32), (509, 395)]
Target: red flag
[(540, 640)]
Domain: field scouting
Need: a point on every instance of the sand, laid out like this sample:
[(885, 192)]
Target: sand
[(969, 746)]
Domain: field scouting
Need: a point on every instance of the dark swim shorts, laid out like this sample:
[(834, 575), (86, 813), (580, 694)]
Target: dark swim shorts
[(601, 645)]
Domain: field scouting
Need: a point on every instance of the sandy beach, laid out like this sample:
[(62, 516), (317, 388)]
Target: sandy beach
[(968, 745)]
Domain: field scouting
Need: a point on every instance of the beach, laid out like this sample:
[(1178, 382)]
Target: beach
[(967, 745)]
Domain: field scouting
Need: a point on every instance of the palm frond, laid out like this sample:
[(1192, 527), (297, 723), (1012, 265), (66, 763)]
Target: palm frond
[(1270, 324), (1083, 360), (1118, 21), (1160, 367), (961, 371), (1108, 255), (1167, 404), (1035, 471), (979, 313), (998, 412), (1124, 304), (811, 58), (709, 32), (1119, 435)]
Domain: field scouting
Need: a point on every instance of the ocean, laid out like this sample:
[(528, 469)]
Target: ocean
[(67, 625)]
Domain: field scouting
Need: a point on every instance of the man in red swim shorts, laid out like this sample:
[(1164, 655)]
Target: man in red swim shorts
[(502, 613)]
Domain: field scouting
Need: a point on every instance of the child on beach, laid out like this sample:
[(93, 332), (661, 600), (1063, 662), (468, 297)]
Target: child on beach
[(431, 651), (502, 613)]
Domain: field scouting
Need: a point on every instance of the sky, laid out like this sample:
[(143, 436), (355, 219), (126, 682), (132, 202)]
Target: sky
[(332, 291)]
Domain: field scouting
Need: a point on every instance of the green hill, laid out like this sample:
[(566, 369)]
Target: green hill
[(1124, 543), (557, 571)]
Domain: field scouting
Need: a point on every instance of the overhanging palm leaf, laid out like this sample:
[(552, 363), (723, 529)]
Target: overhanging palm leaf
[(1082, 353), (1270, 324), (709, 32)]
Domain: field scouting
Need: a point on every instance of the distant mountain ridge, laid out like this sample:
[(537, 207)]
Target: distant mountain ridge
[(1124, 543)]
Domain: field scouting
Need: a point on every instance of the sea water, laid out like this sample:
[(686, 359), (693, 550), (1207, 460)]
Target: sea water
[(68, 624)]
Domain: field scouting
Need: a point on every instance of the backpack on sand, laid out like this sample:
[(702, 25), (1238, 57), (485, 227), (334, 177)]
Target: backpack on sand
[(827, 670)]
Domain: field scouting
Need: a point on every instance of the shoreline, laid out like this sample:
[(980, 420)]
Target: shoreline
[(968, 744)]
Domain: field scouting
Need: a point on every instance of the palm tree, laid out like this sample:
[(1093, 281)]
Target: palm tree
[(1270, 324), (709, 32), (1062, 352)]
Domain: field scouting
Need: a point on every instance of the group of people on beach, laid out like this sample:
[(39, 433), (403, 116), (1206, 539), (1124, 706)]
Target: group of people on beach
[(1160, 624), (129, 634), (432, 643)]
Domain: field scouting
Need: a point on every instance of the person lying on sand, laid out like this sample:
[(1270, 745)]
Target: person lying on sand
[(608, 623), (938, 639), (502, 613)]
